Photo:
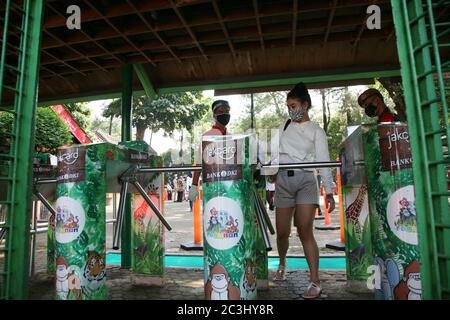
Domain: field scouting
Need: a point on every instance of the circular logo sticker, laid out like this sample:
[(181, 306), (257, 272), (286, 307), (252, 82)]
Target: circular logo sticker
[(401, 214), (223, 222), (69, 221)]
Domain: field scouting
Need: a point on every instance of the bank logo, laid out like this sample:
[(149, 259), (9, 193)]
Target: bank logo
[(69, 220), (223, 221), (401, 214)]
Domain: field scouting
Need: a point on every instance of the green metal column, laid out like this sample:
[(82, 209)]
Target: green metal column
[(127, 91), (19, 159), (418, 37)]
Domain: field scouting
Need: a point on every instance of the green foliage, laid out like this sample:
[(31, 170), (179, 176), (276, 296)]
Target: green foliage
[(112, 126), (269, 112), (80, 114), (51, 132), (337, 131), (148, 249), (168, 112)]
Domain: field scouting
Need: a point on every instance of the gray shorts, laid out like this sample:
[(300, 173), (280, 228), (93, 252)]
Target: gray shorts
[(301, 188)]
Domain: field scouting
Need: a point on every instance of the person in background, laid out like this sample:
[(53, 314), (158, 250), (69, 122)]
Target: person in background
[(373, 104), (169, 191), (221, 114), (174, 188), (180, 189), (188, 187)]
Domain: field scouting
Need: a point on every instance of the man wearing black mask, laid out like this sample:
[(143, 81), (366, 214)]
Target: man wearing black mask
[(373, 103), (221, 114)]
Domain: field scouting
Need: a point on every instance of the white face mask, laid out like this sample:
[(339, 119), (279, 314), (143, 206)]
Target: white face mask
[(296, 114)]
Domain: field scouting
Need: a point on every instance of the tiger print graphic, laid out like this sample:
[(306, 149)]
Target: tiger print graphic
[(248, 281), (94, 272)]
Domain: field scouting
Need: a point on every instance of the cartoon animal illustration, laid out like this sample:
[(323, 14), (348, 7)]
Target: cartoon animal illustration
[(390, 277), (62, 284), (72, 222), (248, 281), (231, 224), (410, 287), (94, 272), (213, 223), (65, 219), (219, 285), (354, 209), (407, 212), (75, 286)]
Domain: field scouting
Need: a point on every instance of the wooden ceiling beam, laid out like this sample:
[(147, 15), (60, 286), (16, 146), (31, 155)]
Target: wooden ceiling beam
[(224, 50), (224, 28), (81, 31), (330, 21), (153, 31), (258, 24), (187, 28), (294, 22), (124, 37), (120, 9)]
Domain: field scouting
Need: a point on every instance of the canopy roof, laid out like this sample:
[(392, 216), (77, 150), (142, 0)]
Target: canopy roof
[(199, 44)]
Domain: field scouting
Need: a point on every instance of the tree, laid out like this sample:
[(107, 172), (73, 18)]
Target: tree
[(168, 112), (326, 117), (269, 110), (337, 130), (110, 126), (392, 89), (50, 133), (80, 114), (111, 111)]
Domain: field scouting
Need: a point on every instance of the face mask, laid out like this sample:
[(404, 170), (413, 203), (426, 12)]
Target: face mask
[(370, 110), (223, 118), (296, 114)]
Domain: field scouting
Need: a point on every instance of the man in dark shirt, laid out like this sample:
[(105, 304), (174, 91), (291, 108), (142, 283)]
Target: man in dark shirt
[(373, 103)]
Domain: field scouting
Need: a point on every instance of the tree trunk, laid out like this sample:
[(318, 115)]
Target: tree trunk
[(140, 131), (151, 136), (110, 124), (181, 146), (324, 110)]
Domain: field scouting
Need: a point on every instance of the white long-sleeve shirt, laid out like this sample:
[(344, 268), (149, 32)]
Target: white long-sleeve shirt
[(303, 142)]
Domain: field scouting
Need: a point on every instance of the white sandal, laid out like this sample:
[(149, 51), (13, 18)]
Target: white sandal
[(316, 288), (280, 275)]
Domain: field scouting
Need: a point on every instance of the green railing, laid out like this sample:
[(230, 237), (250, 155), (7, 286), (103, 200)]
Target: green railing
[(422, 30), (20, 40)]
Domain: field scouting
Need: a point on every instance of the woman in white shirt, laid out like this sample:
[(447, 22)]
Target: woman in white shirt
[(296, 193)]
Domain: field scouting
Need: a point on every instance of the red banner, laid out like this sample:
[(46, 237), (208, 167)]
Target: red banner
[(71, 124)]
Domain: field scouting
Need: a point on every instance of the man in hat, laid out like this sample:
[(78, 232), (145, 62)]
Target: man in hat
[(373, 103), (221, 114)]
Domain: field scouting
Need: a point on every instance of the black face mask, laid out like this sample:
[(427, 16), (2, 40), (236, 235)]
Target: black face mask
[(223, 118), (370, 110)]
